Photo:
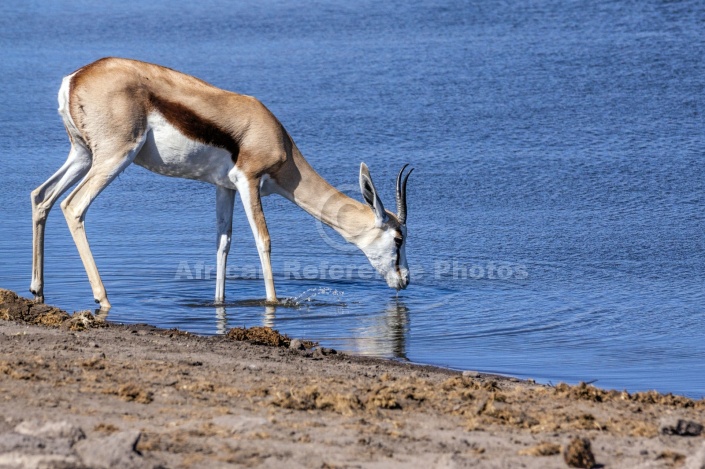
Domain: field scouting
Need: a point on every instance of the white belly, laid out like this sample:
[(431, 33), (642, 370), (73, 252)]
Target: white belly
[(169, 152)]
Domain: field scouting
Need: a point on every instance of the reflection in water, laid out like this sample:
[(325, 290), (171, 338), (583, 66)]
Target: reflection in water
[(383, 334), (386, 336), (269, 315), (221, 318), (100, 315), (397, 318)]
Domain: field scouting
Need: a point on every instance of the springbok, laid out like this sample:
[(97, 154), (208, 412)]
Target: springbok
[(118, 111)]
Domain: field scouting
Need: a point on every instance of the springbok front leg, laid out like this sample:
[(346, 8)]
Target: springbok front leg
[(251, 201), (43, 199), (224, 205), (102, 173)]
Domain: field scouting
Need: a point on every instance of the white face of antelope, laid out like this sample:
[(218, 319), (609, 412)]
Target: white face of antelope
[(386, 252), (385, 244)]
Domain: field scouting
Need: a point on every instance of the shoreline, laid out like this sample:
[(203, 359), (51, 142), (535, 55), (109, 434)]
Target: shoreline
[(72, 385)]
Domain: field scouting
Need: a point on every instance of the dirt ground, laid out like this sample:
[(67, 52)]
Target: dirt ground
[(77, 392)]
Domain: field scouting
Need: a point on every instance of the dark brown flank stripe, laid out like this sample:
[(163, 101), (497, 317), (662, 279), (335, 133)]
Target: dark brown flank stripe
[(194, 126)]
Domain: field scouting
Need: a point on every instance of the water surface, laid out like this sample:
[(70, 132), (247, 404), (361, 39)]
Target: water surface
[(555, 214)]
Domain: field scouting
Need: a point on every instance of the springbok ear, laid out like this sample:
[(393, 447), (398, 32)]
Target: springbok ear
[(369, 194)]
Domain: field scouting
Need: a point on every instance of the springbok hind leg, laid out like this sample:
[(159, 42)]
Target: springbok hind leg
[(102, 173), (43, 199)]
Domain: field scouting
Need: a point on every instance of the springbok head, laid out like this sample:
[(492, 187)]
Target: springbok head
[(385, 244)]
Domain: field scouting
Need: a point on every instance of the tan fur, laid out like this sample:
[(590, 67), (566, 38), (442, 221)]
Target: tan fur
[(110, 102), (130, 89)]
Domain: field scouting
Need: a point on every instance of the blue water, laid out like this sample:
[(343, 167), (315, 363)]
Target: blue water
[(556, 214)]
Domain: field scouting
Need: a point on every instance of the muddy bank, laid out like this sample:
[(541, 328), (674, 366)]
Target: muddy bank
[(71, 384)]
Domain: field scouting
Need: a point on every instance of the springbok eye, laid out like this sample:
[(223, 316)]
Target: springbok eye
[(398, 242)]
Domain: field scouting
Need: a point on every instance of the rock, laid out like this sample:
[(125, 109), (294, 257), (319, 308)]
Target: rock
[(22, 461), (116, 450), (13, 442), (53, 430), (323, 351), (578, 453), (471, 374), (296, 344), (696, 460), (680, 427)]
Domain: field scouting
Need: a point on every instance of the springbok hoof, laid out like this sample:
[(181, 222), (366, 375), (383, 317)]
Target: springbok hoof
[(38, 297)]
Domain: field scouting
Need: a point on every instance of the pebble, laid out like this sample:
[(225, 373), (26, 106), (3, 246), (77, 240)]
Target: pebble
[(578, 453), (296, 344), (323, 351), (680, 427)]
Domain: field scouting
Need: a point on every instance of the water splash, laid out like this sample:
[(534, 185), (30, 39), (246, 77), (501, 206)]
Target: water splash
[(312, 296)]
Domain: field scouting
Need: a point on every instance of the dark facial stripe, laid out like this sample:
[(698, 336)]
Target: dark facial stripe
[(196, 127)]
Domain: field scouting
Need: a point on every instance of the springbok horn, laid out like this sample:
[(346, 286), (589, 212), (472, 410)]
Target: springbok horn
[(401, 194)]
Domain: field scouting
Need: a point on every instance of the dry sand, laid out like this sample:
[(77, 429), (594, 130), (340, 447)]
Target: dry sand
[(77, 392)]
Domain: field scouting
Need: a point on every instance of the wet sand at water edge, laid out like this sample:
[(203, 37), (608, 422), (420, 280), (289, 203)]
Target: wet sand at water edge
[(79, 392)]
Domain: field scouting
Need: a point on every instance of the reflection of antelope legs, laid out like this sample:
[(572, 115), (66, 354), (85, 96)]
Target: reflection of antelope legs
[(117, 111), (221, 320), (269, 317), (397, 320)]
